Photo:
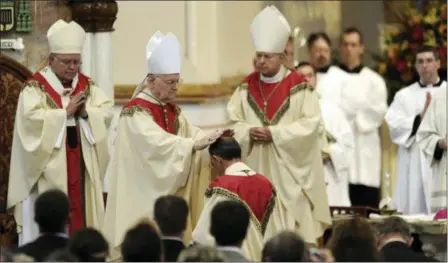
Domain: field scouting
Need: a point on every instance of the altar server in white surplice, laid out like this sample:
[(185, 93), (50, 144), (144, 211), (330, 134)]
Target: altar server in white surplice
[(362, 95), (412, 189), (432, 139), (157, 151), (340, 142), (60, 137)]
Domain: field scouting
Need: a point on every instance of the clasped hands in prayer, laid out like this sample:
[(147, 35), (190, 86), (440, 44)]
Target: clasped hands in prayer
[(211, 138), (77, 105), (260, 134)]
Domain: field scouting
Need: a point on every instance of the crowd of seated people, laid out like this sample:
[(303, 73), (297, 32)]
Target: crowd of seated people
[(353, 239)]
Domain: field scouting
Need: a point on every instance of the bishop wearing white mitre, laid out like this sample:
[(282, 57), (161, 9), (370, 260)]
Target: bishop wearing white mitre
[(432, 139), (156, 149), (277, 122), (413, 186), (60, 137)]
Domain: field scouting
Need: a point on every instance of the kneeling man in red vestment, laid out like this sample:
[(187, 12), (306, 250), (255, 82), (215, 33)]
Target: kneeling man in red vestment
[(237, 182)]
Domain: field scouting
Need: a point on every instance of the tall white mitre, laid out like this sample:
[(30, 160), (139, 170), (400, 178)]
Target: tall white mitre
[(66, 38), (270, 31), (163, 54)]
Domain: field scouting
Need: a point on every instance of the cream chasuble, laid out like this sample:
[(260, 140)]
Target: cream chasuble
[(38, 157), (412, 188), (432, 129), (216, 193), (293, 160), (153, 156)]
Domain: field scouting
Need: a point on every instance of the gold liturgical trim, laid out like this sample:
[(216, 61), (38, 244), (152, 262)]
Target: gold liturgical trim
[(130, 111), (281, 110), (261, 226)]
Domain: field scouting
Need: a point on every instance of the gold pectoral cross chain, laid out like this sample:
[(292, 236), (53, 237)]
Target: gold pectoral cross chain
[(265, 100), (165, 113)]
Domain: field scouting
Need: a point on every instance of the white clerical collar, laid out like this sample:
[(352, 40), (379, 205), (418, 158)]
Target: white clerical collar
[(239, 169), (230, 248), (146, 94), (281, 74), (172, 238)]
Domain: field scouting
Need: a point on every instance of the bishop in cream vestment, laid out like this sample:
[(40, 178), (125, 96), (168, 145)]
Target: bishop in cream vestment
[(54, 150), (430, 136), (293, 160), (155, 153)]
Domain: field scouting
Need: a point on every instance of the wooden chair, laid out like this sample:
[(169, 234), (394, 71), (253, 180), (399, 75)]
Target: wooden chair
[(12, 78)]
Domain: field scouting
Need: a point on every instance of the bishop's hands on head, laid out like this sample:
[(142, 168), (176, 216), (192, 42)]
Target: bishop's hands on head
[(211, 138)]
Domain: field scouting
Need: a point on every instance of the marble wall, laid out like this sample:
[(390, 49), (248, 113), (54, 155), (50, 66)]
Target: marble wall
[(333, 17), (44, 14)]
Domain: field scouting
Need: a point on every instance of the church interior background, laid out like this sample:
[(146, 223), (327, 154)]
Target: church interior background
[(216, 45)]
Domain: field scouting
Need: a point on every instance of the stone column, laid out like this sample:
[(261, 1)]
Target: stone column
[(97, 18)]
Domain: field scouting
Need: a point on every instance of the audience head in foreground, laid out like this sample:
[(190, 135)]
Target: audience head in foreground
[(308, 71), (395, 242), (142, 244), (198, 253), (66, 41), (354, 240), (284, 247), (229, 223), (164, 63), (170, 213), (393, 228), (270, 33), (89, 245), (224, 152), (51, 212)]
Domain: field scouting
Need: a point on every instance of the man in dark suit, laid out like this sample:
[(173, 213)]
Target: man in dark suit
[(170, 213), (395, 240), (51, 214)]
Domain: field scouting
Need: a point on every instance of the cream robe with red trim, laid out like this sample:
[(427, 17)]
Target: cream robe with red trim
[(293, 161), (38, 156), (149, 162)]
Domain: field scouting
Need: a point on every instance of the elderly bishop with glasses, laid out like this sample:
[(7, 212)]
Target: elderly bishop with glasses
[(157, 151), (60, 138)]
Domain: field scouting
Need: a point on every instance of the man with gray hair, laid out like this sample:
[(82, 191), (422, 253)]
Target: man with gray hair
[(395, 240)]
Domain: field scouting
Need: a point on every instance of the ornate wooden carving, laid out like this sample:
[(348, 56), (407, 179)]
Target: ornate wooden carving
[(12, 77), (96, 15)]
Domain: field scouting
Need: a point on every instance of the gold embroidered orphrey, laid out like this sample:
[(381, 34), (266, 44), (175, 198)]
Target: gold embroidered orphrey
[(282, 109)]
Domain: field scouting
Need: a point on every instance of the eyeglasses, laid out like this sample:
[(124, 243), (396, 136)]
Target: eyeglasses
[(176, 82), (69, 62)]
